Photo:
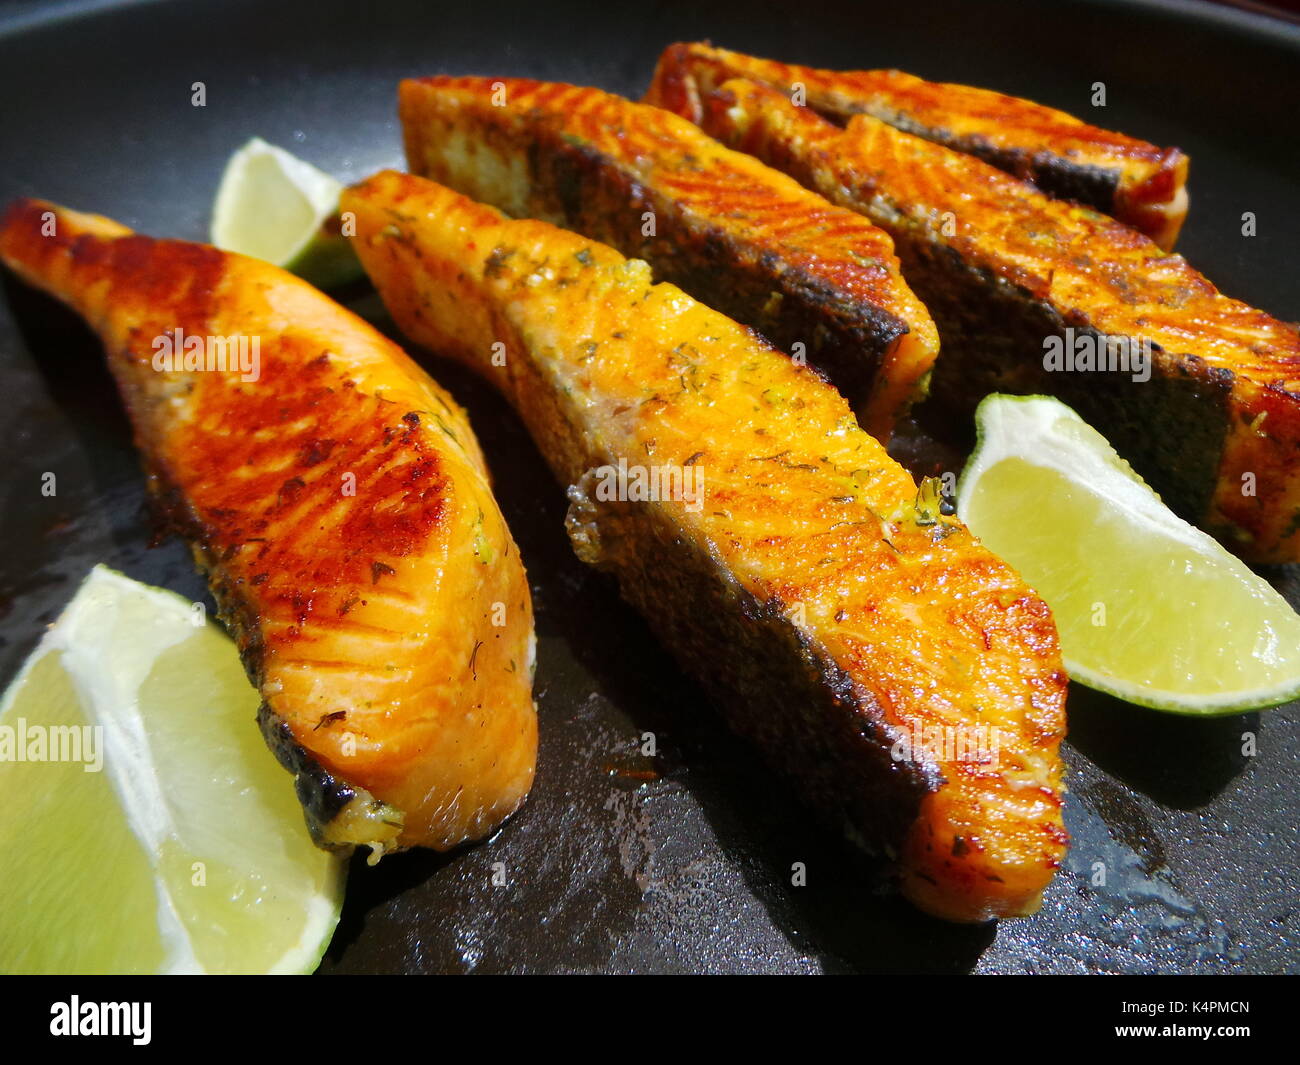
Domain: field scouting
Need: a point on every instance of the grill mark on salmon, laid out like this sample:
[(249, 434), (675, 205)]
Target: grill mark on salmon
[(828, 606), (1138, 183), (336, 504), (1216, 429), (732, 232)]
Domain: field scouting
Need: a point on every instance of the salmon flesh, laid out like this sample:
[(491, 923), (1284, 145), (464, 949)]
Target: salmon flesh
[(904, 677), (1140, 184), (820, 282), (338, 502), (1199, 392)]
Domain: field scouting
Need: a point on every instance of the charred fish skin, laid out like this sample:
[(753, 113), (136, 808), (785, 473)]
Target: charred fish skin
[(1139, 184), (820, 282), (1207, 406), (833, 611), (338, 503)]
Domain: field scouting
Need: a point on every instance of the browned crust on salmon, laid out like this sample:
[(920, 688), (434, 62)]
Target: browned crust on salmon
[(821, 282), (1005, 269), (841, 619), (337, 500), (1138, 183)]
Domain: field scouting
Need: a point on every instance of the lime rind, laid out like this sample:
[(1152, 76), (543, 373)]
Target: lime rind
[(1003, 421), (319, 925), (1207, 706), (1043, 432), (111, 643), (274, 206)]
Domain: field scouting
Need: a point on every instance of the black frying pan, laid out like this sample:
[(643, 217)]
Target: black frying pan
[(681, 862)]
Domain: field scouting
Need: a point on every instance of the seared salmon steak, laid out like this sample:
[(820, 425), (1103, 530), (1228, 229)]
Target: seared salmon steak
[(1138, 183), (820, 282), (900, 674), (338, 502), (1201, 393)]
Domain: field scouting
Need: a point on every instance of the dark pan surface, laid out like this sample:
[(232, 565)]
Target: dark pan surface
[(681, 862)]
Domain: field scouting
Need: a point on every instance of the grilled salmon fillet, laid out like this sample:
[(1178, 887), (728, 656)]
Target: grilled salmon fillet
[(839, 616), (339, 504), (820, 282), (1138, 183), (1033, 295)]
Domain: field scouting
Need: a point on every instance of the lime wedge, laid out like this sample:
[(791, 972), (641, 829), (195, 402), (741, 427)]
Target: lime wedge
[(1148, 607), (144, 825), (274, 206)]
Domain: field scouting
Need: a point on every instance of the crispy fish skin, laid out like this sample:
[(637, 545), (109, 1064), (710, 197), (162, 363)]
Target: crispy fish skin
[(830, 608), (732, 232), (1004, 268), (1137, 183), (340, 507)]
